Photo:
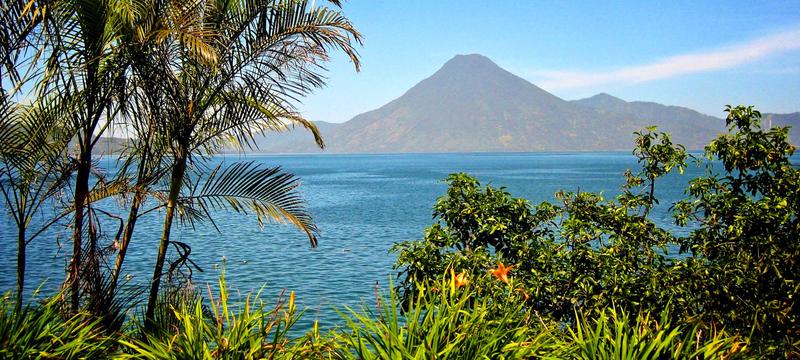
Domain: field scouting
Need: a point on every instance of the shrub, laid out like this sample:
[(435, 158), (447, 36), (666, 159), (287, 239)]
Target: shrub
[(745, 245)]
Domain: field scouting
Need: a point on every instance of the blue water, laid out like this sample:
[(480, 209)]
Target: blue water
[(363, 204)]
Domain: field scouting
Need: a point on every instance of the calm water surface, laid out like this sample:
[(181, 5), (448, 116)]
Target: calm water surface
[(363, 204)]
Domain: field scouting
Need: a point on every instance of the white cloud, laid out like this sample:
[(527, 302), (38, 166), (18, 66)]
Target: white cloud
[(723, 58)]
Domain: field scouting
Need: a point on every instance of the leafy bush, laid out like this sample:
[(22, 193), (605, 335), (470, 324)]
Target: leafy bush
[(745, 248), (739, 263)]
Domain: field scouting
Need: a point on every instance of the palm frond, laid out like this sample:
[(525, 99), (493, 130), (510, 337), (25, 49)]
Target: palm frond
[(33, 153), (21, 41), (270, 193), (238, 117), (181, 24), (9, 133), (270, 55)]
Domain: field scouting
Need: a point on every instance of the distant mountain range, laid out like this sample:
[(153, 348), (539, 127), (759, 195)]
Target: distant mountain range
[(471, 104)]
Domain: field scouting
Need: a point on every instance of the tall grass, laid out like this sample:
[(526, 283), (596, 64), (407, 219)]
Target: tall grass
[(458, 324), (448, 324), (191, 330), (614, 334)]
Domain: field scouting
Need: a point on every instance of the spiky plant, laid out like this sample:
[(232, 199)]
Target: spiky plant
[(445, 321), (614, 334), (40, 331), (186, 329)]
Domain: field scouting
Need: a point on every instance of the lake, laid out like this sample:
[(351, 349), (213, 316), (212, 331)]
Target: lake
[(363, 204)]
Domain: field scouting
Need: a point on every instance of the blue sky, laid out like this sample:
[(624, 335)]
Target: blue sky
[(698, 54)]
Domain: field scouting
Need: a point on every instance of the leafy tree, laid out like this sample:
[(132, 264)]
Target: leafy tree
[(744, 246)]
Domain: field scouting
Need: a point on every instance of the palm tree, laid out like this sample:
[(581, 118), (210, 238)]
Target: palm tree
[(232, 70), (87, 65), (34, 167), (32, 141), (139, 113)]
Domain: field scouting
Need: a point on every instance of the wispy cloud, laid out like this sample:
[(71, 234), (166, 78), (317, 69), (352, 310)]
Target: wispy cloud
[(724, 58)]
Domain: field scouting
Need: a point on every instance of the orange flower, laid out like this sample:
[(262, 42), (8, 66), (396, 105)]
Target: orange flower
[(501, 272), (461, 280)]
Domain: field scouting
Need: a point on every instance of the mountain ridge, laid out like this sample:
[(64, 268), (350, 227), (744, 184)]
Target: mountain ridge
[(472, 104)]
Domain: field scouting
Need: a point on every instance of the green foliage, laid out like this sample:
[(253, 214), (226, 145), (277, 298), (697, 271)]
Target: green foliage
[(448, 321), (658, 156), (476, 226), (314, 345), (745, 248), (739, 264), (43, 332), (457, 317)]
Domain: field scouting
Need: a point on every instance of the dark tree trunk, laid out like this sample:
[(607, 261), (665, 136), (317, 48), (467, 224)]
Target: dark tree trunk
[(138, 198), (20, 266), (81, 195)]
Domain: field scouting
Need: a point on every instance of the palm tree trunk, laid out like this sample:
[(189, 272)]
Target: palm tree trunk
[(81, 194), (91, 266), (20, 266), (178, 171), (138, 198)]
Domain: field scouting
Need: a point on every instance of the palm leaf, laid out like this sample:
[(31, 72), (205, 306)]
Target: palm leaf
[(269, 55), (21, 41), (239, 117), (180, 23), (268, 192), (33, 153)]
